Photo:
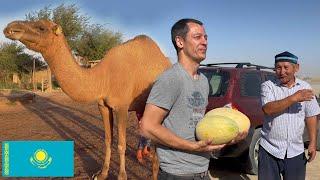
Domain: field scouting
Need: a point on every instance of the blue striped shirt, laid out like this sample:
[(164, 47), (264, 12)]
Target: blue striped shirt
[(282, 133)]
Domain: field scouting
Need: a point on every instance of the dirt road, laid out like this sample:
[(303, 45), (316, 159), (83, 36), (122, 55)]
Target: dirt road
[(55, 116)]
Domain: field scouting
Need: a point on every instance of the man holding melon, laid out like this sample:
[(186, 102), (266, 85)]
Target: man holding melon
[(176, 103), (288, 104)]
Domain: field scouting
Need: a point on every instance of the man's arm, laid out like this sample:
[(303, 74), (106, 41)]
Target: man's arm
[(311, 123), (276, 107), (151, 127)]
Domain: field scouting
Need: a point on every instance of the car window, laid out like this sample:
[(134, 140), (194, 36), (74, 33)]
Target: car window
[(218, 82), (250, 84)]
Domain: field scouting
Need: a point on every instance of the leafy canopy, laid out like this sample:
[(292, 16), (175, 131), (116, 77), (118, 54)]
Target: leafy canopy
[(89, 41)]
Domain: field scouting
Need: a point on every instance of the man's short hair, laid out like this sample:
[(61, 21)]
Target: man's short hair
[(180, 28)]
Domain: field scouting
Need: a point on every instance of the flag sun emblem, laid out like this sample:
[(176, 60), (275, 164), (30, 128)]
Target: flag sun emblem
[(40, 159)]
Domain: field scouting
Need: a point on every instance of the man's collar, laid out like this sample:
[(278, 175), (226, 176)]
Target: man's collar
[(296, 82)]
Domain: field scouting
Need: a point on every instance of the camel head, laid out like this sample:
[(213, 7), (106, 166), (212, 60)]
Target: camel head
[(36, 35)]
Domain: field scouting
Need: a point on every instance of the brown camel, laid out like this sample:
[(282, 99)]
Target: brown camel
[(119, 83)]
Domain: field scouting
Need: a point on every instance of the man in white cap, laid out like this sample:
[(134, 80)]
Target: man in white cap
[(288, 104)]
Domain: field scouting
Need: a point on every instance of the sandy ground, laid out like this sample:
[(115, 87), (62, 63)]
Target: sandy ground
[(55, 116), (230, 170)]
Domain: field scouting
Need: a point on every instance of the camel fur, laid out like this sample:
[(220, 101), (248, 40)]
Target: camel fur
[(120, 83)]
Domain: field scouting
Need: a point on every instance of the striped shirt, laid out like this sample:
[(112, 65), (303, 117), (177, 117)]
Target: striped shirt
[(282, 133)]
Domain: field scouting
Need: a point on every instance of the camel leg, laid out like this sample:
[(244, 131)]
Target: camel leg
[(107, 117), (122, 117)]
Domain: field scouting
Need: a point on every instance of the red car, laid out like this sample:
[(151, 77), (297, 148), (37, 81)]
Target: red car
[(237, 85)]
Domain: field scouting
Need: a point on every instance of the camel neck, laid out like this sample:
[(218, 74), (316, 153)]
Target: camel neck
[(77, 82)]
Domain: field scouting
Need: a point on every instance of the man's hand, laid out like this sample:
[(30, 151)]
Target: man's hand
[(303, 95), (312, 151), (241, 136), (206, 146)]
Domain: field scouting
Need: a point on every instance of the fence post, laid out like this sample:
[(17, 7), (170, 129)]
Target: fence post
[(33, 75)]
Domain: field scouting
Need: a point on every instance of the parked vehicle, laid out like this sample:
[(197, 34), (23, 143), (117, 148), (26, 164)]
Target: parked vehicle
[(239, 87)]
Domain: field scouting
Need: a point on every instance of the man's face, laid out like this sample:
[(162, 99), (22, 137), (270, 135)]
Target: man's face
[(194, 45), (285, 71)]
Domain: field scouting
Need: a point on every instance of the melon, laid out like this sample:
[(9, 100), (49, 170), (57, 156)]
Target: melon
[(219, 129), (241, 119)]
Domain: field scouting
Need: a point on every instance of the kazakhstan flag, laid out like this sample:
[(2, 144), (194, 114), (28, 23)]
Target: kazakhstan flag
[(37, 159)]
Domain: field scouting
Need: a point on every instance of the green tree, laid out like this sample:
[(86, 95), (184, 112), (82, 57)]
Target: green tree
[(95, 41), (88, 41), (24, 63), (68, 17), (8, 55), (13, 59), (45, 13)]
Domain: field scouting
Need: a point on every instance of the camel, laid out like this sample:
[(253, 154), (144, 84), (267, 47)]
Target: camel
[(120, 83)]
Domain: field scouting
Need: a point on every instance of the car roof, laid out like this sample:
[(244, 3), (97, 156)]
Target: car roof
[(239, 66)]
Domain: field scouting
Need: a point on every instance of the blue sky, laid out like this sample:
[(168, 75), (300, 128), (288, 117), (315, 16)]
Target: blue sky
[(238, 31)]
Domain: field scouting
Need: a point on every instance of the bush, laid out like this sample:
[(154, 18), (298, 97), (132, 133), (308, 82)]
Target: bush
[(6, 85)]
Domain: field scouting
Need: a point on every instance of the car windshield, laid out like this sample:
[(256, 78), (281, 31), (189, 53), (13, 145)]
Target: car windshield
[(218, 81)]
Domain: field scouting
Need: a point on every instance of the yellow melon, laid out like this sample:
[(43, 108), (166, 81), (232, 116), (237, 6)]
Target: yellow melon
[(219, 129), (241, 119)]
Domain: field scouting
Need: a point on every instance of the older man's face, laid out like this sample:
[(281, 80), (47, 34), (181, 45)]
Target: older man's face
[(285, 72)]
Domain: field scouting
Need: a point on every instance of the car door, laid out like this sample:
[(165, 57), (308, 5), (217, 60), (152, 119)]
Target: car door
[(248, 96)]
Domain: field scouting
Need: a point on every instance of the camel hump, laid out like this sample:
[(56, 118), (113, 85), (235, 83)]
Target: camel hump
[(140, 38), (143, 37)]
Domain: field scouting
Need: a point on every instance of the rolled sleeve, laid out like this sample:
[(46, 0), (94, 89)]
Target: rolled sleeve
[(266, 93), (312, 108)]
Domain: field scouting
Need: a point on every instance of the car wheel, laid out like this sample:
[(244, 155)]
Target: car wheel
[(252, 161)]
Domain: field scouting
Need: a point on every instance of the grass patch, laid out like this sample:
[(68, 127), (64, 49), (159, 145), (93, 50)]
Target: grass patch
[(11, 103)]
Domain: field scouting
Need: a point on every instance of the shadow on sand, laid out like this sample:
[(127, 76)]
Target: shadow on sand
[(227, 169), (71, 123)]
